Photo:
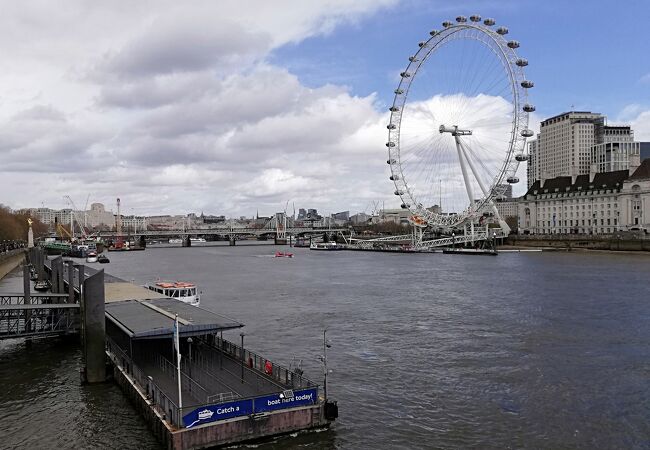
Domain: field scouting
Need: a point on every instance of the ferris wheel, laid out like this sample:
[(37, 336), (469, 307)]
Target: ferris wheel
[(459, 123)]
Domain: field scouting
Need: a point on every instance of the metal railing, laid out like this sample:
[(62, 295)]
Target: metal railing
[(262, 366), (43, 315), (165, 406)]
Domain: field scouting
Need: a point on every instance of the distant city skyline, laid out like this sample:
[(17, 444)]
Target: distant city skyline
[(231, 107)]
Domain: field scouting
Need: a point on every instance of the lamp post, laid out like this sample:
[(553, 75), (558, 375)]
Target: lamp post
[(323, 359), (242, 356), (189, 358)]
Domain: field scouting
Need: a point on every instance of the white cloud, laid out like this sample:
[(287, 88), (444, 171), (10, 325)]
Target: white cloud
[(174, 108), (177, 109)]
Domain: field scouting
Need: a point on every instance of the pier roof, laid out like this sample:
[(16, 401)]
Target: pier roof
[(148, 319)]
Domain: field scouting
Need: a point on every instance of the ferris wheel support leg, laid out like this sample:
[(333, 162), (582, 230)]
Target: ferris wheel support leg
[(502, 223), (468, 185)]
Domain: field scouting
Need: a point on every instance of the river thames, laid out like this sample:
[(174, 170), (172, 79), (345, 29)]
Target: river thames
[(523, 350)]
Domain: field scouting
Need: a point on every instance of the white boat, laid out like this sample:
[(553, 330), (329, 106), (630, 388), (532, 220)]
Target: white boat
[(91, 257), (328, 246), (175, 241), (179, 290), (194, 240)]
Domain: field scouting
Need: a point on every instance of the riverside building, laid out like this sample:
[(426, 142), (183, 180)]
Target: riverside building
[(595, 203), (568, 144)]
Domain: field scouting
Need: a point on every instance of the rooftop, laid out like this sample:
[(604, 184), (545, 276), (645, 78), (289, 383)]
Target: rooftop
[(604, 180), (642, 172), (142, 319)]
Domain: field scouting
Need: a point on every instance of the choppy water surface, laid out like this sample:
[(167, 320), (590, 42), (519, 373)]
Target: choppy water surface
[(527, 350)]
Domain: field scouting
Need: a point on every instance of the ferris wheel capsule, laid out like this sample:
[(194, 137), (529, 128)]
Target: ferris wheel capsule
[(446, 24), (502, 31), (394, 177), (390, 144), (527, 84), (461, 19), (391, 126), (528, 107), (489, 22), (521, 62), (475, 18), (512, 180), (527, 133), (521, 157), (513, 44), (433, 32)]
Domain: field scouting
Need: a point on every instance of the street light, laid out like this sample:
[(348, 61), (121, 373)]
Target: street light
[(189, 361), (323, 358), (242, 356)]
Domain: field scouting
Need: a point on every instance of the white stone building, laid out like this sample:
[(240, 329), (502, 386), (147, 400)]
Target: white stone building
[(634, 199), (597, 203)]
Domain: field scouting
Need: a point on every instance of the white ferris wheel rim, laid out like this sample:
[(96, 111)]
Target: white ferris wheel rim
[(504, 50)]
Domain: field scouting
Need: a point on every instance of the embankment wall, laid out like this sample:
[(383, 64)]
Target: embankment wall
[(10, 260)]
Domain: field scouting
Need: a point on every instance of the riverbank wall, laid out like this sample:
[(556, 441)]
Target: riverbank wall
[(570, 242), (10, 260)]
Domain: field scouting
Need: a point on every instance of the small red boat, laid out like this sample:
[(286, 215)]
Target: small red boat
[(283, 255)]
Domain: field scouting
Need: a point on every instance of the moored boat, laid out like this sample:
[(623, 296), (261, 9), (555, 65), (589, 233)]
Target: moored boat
[(179, 290), (283, 255), (101, 259), (42, 286), (327, 246), (470, 251), (91, 257)]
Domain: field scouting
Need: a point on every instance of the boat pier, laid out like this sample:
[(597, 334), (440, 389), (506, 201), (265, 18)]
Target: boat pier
[(204, 392)]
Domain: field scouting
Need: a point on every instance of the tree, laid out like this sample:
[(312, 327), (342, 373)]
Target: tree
[(14, 226)]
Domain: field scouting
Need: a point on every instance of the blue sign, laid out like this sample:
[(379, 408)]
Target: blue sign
[(286, 399), (221, 411)]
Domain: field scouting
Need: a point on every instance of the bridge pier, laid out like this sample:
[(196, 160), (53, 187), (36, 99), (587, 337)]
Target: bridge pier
[(94, 328), (231, 241), (28, 298), (280, 241), (186, 241)]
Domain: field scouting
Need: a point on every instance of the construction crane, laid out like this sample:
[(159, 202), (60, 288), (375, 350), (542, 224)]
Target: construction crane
[(74, 218), (60, 229)]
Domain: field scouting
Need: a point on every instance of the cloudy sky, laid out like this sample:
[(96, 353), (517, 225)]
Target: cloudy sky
[(230, 107)]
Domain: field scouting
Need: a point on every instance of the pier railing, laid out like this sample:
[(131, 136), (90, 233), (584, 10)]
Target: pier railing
[(286, 377), (165, 406)]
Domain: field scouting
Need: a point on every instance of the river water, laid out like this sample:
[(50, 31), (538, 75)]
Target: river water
[(523, 350)]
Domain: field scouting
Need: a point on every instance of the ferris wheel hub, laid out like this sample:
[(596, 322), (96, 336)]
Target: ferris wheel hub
[(454, 130)]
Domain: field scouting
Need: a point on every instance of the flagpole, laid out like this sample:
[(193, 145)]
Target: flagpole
[(178, 361)]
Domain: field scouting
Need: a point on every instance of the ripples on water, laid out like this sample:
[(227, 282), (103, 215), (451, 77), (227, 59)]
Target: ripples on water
[(545, 350)]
